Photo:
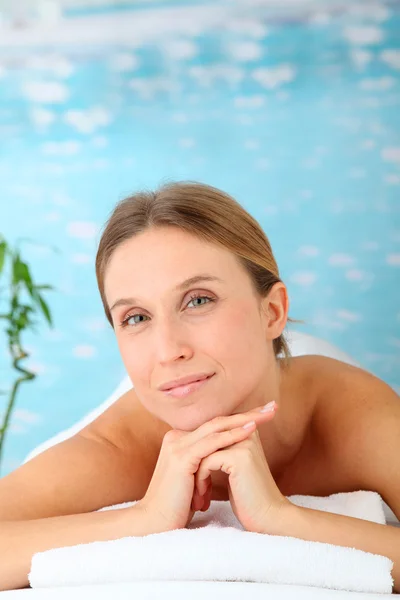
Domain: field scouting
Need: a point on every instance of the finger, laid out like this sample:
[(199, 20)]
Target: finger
[(197, 502), (217, 441), (202, 486), (214, 462), (207, 499), (201, 495), (190, 517), (195, 499), (224, 423)]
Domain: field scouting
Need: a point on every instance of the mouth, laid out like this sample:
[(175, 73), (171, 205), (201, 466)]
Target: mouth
[(184, 390)]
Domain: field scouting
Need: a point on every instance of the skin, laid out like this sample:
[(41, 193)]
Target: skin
[(324, 405), (174, 339), (179, 336)]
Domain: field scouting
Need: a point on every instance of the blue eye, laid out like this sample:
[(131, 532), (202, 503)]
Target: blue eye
[(197, 297), (129, 317), (125, 323)]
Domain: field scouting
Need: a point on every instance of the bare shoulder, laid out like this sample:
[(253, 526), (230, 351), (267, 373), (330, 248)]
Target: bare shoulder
[(107, 462), (345, 397), (356, 420), (345, 392), (127, 425)]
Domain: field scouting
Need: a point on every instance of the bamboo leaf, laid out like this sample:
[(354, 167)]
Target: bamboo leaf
[(18, 316), (21, 321), (3, 248), (21, 272), (45, 309)]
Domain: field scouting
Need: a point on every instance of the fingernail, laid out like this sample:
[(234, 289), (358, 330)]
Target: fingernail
[(248, 425), (268, 407)]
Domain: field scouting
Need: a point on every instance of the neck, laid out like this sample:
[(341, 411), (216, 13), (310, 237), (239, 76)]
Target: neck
[(278, 436), (269, 388)]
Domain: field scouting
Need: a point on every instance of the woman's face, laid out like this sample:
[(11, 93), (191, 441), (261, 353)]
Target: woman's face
[(168, 335)]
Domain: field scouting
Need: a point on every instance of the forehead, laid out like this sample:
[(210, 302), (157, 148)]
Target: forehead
[(157, 259)]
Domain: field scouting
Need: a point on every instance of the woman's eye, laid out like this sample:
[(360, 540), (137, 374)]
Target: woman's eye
[(125, 323), (199, 298)]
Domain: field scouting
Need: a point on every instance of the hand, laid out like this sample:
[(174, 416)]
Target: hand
[(169, 495), (256, 500)]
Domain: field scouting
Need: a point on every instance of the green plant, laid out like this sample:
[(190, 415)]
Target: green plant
[(19, 318)]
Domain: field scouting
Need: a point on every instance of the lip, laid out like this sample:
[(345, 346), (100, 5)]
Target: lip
[(183, 381), (181, 391)]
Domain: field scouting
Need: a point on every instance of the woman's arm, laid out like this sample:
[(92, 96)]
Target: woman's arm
[(20, 540), (103, 464), (320, 526), (49, 502)]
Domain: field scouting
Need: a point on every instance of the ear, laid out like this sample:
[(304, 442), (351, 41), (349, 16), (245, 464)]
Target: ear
[(276, 310)]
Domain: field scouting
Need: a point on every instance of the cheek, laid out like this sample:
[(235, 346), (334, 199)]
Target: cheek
[(238, 331), (135, 363), (240, 344)]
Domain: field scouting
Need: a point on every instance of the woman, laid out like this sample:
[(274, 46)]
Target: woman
[(191, 288)]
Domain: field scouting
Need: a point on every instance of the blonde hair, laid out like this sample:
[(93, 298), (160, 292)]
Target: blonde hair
[(206, 212)]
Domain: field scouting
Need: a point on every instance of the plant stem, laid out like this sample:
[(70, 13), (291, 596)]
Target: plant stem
[(13, 394)]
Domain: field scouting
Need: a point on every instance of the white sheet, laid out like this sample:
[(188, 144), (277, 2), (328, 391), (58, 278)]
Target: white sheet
[(188, 590)]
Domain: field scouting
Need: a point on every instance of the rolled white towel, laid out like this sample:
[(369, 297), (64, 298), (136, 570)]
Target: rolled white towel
[(215, 546)]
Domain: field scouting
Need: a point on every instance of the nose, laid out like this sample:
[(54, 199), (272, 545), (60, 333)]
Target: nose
[(171, 341)]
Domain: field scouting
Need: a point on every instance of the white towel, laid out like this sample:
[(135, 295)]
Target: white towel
[(215, 547)]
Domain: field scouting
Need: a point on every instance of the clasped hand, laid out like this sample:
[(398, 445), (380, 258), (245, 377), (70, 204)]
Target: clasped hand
[(181, 481), (255, 498)]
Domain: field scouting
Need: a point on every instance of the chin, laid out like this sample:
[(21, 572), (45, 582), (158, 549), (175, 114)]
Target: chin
[(192, 416)]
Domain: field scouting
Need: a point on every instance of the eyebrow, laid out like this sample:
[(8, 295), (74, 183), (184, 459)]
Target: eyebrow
[(178, 288)]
